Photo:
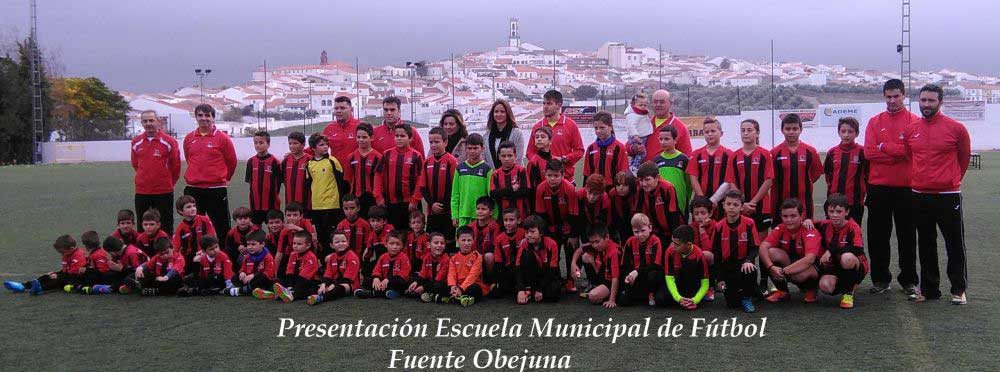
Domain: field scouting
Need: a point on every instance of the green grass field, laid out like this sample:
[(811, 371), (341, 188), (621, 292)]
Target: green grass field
[(57, 331)]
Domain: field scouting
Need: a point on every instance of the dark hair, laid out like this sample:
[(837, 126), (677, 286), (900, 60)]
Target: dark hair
[(474, 139), (465, 230), (344, 99), (305, 235), (509, 210), (791, 203), (836, 200), (701, 201), (297, 137), (648, 169), (491, 122), (459, 121), (126, 215), (206, 108), (433, 234), (849, 121), (392, 100), (64, 242), (90, 240), (506, 145), (791, 119), (396, 234), (669, 129), (935, 89), (597, 230), (257, 236), (534, 222), (161, 245), (151, 215), (594, 183), (294, 207), (263, 134), (208, 241), (485, 200), (184, 200), (377, 212), (367, 128), (438, 131), (275, 214), (554, 165), (349, 198), (892, 84), (604, 117), (553, 95), (241, 212), (546, 130), (336, 232), (684, 233), (756, 125), (316, 138), (406, 129), (113, 244), (733, 194)]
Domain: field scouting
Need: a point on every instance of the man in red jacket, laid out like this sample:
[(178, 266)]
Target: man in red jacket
[(340, 133), (940, 148), (156, 159), (567, 145), (384, 138), (211, 159), (662, 118), (889, 196)]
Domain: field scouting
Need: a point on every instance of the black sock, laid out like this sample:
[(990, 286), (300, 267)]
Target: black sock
[(336, 292)]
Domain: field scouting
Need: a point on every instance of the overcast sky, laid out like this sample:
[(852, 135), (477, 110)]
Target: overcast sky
[(147, 46)]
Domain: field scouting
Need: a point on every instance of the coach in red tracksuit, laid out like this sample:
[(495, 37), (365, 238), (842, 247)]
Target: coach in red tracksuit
[(566, 145), (211, 162), (340, 132), (940, 149), (889, 199), (156, 159)]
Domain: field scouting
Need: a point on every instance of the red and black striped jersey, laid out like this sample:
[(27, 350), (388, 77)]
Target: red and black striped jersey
[(501, 189), (558, 205), (794, 175), (263, 265), (846, 239), (846, 171), (294, 170), (689, 268), (536, 167), (711, 169), (131, 258), (749, 173), (274, 240), (622, 211), (505, 246), (285, 240), (660, 205), (796, 243), (389, 266), (189, 233), (397, 175), (303, 265), (608, 263), (642, 256), (218, 265), (360, 172), (236, 237), (342, 266), (434, 268), (606, 161), (596, 213), (359, 233), (434, 185), (128, 238), (264, 176), (415, 244), (703, 236), (735, 243), (145, 241), (484, 235), (546, 253)]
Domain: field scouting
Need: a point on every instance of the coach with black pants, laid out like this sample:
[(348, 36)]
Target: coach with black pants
[(940, 149), (211, 162), (156, 159), (889, 194)]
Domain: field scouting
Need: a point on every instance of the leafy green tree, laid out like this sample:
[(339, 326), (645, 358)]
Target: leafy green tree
[(87, 110)]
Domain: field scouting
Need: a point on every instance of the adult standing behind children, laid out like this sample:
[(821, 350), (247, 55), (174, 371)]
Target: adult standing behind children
[(211, 159), (341, 131), (502, 127), (567, 145), (662, 118), (455, 133), (156, 159), (384, 138)]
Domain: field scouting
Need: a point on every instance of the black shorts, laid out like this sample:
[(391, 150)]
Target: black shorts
[(846, 279), (763, 221)]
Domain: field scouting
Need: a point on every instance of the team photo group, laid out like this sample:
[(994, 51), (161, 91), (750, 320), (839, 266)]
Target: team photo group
[(364, 211)]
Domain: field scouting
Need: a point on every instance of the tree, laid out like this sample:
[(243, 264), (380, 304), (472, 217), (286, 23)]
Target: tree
[(585, 92), (247, 110), (15, 106), (86, 110), (233, 114), (725, 64)]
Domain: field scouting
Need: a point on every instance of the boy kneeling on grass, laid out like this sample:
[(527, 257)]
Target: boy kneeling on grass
[(844, 264), (686, 270), (73, 265), (300, 275), (601, 262), (342, 269)]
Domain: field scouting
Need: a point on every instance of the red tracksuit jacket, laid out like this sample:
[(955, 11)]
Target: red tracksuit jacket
[(211, 159), (941, 150), (157, 163), (885, 148), (566, 142)]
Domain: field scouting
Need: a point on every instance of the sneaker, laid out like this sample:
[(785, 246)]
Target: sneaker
[(283, 293), (586, 291), (959, 299), (364, 293), (185, 292), (391, 294), (124, 289), (809, 297), (101, 289), (444, 299), (85, 290), (879, 288), (747, 305), (234, 292), (13, 286), (777, 296), (427, 297), (913, 294), (710, 295), (466, 301), (261, 294), (314, 299), (68, 288), (651, 299), (570, 286), (847, 301), (36, 287)]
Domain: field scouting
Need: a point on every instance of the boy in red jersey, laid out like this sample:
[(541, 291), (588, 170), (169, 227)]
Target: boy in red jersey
[(164, 272), (264, 176), (846, 168), (556, 200), (151, 231), (753, 173), (192, 228), (658, 200), (397, 176), (501, 274), (390, 277), (126, 227), (796, 167), (375, 246), (734, 247), (293, 171), (509, 183), (122, 262), (601, 263), (341, 275), (214, 273), (236, 238), (686, 269), (641, 263), (622, 203), (257, 267), (484, 229), (536, 265), (710, 168), (606, 156), (844, 264), (539, 160), (97, 270), (74, 263), (360, 168), (415, 244), (435, 185), (294, 222), (431, 282), (300, 279), (791, 253), (358, 230), (702, 210)]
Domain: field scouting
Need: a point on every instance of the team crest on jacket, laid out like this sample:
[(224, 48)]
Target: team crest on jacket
[(802, 157), (659, 199), (267, 169), (756, 160), (855, 160), (156, 152)]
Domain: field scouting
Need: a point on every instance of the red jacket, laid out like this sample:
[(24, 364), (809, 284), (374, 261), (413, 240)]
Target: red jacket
[(341, 138), (157, 163), (73, 261), (566, 141), (218, 265), (384, 139), (941, 149), (157, 266), (653, 148), (342, 266), (389, 266), (885, 148), (98, 259), (434, 268), (211, 159), (303, 265), (265, 266)]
